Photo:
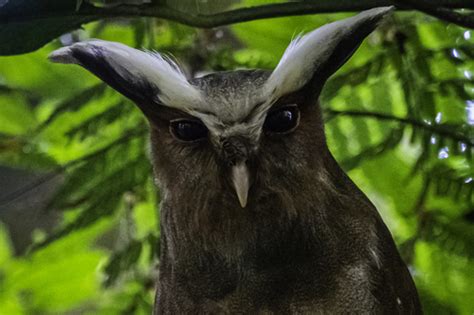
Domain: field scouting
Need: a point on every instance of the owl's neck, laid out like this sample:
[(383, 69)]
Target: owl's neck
[(216, 264), (303, 233), (288, 220)]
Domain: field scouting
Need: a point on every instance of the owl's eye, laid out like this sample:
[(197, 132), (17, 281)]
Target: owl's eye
[(282, 120), (188, 130)]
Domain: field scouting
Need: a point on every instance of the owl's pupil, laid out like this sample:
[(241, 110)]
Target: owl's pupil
[(188, 130), (282, 120)]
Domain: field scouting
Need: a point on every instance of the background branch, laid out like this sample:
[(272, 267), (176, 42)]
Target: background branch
[(159, 10), (439, 12), (31, 24)]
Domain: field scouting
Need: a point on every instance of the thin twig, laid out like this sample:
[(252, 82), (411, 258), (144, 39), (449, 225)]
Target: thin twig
[(437, 129), (60, 169)]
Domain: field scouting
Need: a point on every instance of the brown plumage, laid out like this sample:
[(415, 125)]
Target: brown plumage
[(256, 215)]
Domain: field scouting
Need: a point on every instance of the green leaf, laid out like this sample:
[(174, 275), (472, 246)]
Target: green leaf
[(51, 281), (5, 247), (16, 118), (445, 276)]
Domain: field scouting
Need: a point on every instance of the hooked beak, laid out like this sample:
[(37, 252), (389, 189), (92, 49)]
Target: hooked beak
[(241, 181)]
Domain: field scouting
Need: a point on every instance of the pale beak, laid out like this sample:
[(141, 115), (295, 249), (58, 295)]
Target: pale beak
[(241, 181)]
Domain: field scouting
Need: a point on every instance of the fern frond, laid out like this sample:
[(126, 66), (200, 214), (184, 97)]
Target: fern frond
[(390, 142), (353, 77), (448, 181), (76, 162), (452, 235), (121, 261), (92, 125), (74, 103), (105, 199)]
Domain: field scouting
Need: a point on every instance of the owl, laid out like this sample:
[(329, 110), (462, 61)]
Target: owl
[(256, 215)]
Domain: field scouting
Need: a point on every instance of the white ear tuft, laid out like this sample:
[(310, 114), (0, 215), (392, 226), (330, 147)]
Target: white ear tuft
[(320, 53), (131, 72)]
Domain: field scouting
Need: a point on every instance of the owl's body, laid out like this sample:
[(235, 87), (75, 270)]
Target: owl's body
[(307, 238), (256, 215)]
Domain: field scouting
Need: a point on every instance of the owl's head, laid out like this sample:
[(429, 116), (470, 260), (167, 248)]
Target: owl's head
[(231, 131)]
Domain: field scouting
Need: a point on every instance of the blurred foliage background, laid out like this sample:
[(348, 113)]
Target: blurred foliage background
[(78, 209)]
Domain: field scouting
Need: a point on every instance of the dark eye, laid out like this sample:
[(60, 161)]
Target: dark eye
[(188, 130), (282, 120)]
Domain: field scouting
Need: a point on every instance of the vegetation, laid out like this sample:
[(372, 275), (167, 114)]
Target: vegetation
[(399, 118)]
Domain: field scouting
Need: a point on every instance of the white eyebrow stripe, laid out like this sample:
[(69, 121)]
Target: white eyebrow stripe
[(133, 64), (307, 54)]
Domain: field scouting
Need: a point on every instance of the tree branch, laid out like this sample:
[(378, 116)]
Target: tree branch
[(159, 10)]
